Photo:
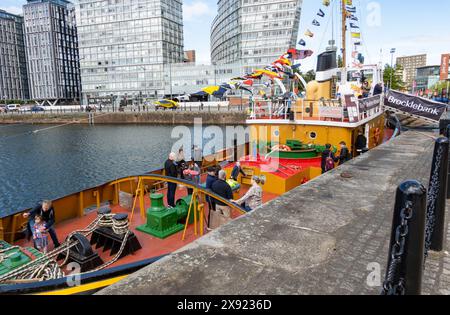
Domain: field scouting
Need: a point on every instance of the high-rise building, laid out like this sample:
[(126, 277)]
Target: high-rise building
[(445, 67), (52, 50), (255, 32), (125, 44), (410, 65), (13, 64)]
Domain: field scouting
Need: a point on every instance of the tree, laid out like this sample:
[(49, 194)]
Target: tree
[(308, 76), (340, 62), (441, 86), (393, 72)]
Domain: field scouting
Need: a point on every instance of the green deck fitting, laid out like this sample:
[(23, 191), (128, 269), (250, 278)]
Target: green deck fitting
[(163, 222), (16, 258)]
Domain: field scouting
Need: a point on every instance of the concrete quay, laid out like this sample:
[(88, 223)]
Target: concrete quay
[(151, 117), (321, 238)]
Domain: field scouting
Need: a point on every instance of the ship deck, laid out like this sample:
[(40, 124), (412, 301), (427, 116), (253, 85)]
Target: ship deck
[(151, 246)]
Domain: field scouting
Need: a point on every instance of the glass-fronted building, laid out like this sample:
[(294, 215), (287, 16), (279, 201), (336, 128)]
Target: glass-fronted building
[(124, 45), (13, 64), (189, 78), (255, 32), (52, 50), (426, 77)]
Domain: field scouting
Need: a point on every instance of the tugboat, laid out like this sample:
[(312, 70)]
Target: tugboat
[(287, 138)]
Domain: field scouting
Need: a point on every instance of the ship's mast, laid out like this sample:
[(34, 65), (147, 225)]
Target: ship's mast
[(344, 33)]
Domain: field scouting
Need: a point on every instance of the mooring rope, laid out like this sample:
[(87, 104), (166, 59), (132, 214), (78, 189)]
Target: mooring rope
[(46, 267)]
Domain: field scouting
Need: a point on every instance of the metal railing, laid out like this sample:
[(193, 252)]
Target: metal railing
[(186, 107), (318, 110), (418, 226)]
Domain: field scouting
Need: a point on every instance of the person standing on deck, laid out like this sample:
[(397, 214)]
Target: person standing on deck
[(192, 173), (236, 170), (170, 169), (378, 89), (40, 234), (47, 213), (221, 188), (253, 197), (210, 180), (361, 143), (197, 154)]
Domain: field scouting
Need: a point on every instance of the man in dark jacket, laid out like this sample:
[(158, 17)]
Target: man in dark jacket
[(378, 89), (171, 171), (361, 143), (221, 188), (47, 213), (327, 154), (236, 170), (344, 156), (210, 180)]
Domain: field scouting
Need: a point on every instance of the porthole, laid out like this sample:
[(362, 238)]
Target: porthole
[(313, 135)]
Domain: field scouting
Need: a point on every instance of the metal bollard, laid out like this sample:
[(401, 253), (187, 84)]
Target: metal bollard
[(437, 193), (448, 171), (406, 250)]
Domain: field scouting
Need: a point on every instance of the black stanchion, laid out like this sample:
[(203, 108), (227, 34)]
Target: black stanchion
[(448, 171), (406, 250), (437, 193)]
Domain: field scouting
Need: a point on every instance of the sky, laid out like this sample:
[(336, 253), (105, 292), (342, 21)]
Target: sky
[(412, 27)]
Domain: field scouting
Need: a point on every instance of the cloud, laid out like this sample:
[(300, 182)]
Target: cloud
[(13, 9), (196, 10)]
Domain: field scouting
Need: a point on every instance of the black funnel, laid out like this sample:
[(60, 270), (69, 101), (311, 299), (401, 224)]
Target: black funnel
[(326, 61)]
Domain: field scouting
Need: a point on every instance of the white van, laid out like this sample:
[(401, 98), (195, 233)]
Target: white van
[(13, 108)]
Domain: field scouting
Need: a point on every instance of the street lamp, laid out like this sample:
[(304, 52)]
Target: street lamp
[(215, 73), (80, 95), (393, 50)]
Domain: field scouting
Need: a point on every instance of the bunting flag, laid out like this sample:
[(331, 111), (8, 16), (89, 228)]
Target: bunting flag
[(296, 54), (309, 33), (356, 35), (353, 18), (326, 3), (248, 82), (352, 25), (302, 42), (349, 2), (350, 9), (321, 13), (315, 23)]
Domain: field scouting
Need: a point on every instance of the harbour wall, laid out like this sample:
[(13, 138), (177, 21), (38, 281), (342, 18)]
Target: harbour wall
[(329, 236), (151, 117)]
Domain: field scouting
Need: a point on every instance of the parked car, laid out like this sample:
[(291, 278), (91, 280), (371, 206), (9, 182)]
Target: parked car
[(13, 107), (166, 104), (36, 109)]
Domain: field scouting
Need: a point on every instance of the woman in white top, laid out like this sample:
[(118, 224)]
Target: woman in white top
[(253, 197)]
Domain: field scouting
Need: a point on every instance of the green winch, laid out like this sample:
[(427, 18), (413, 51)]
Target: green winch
[(163, 222), (13, 257)]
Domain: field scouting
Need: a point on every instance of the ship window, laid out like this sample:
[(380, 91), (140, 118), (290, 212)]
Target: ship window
[(313, 135)]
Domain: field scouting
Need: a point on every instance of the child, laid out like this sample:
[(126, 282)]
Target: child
[(40, 234)]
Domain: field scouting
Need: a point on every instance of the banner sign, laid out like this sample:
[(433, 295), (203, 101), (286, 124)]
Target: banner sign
[(369, 103), (352, 108), (414, 105), (331, 112)]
